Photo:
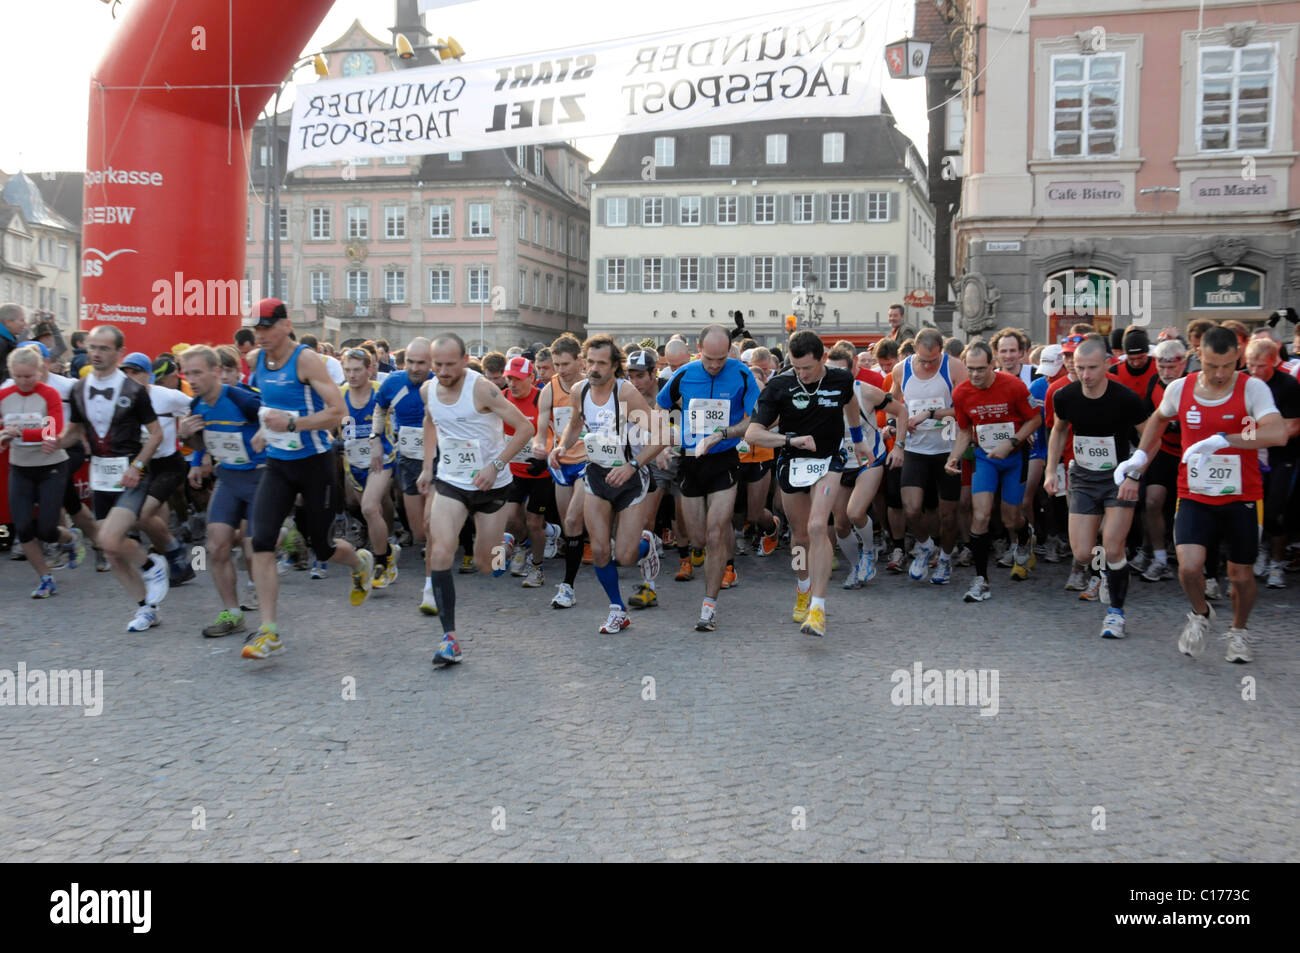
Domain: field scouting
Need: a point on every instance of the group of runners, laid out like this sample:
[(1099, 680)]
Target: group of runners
[(605, 455)]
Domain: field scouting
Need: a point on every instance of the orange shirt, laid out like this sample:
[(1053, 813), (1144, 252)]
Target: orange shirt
[(560, 402)]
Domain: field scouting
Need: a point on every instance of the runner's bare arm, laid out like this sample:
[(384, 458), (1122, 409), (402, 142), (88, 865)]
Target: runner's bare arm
[(756, 435), (543, 422), (636, 404), (312, 371), (488, 399)]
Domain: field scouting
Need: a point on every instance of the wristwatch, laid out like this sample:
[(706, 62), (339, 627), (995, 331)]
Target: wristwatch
[(1135, 477), (293, 425), (787, 441), (138, 465), (1015, 441), (499, 464)]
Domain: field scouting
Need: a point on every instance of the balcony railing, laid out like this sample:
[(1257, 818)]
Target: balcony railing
[(344, 308)]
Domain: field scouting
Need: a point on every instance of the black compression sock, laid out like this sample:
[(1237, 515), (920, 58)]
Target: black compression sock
[(444, 595), (572, 557)]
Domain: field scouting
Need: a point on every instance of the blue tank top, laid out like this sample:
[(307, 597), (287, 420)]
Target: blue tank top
[(282, 390), (234, 413), (363, 420)]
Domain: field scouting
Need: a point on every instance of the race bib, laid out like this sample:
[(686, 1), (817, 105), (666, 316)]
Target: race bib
[(805, 471), (458, 459), (358, 451), (992, 436), (281, 441), (1060, 480), (922, 405), (226, 447), (524, 456), (106, 473), (25, 421), (604, 450), (851, 461), (1095, 453), (1214, 474), (410, 442), (744, 447), (706, 415), (561, 416)]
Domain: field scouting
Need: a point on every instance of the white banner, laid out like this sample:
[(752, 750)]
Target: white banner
[(427, 5), (821, 61)]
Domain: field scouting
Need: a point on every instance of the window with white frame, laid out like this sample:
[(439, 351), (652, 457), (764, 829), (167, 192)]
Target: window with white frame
[(877, 273), (832, 147), (395, 221), (688, 273), (877, 206), (802, 271), (537, 160), (1086, 96), (537, 227), (537, 289), (523, 286), (521, 156), (550, 230), (803, 208), (764, 273), (394, 160), (455, 156), (652, 211), (728, 209), (320, 286), (616, 275), (358, 223), (440, 286), (480, 219), (616, 212), (358, 285), (688, 210), (665, 151), (838, 280), (1236, 98), (776, 147), (550, 293), (841, 207), (395, 285), (764, 209), (523, 221), (652, 275), (284, 224), (440, 221), (322, 223), (479, 281), (719, 150), (726, 272), (63, 256), (954, 126)]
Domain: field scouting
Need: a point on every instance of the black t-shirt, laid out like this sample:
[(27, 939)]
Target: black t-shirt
[(1116, 413), (1286, 394), (813, 409), (132, 412)]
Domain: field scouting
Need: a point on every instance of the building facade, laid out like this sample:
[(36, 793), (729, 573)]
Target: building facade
[(827, 219), (494, 240), (1132, 165), (39, 254)]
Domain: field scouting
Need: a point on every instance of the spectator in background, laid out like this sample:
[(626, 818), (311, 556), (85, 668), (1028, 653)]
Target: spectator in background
[(332, 365), (399, 359), (1243, 338), (544, 366), (494, 368), (79, 358), (898, 330), (1195, 331), (676, 353), (47, 332), (245, 342), (386, 365), (13, 330)]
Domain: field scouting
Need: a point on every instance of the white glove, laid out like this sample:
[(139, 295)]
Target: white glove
[(1135, 462), (1206, 446)]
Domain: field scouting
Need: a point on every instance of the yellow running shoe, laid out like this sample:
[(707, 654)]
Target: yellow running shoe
[(262, 644), (697, 557), (815, 624), (644, 598), (801, 602), (390, 568), (362, 577)]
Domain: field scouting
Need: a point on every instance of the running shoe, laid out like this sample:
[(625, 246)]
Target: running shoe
[(1276, 575), (964, 557), (921, 561), (180, 569), (767, 545), (362, 577), (1261, 564), (448, 653), (1076, 582), (1092, 590), (467, 567), (262, 644), (146, 617), (45, 589), (249, 601), (283, 563), (802, 600), (1140, 561), (643, 598), (502, 565), (75, 548), (390, 570), (1238, 646), (101, 561), (867, 565), (228, 623), (565, 597), (978, 591), (519, 563), (815, 624), (851, 581), (156, 580), (427, 604), (1103, 594), (1113, 627), (1025, 560), (1211, 588), (587, 558), (552, 541), (1191, 641), (685, 572), (378, 579), (617, 621), (649, 563), (697, 556), (729, 577), (318, 569), (534, 578), (1157, 571), (943, 571), (895, 563), (1008, 558), (708, 619)]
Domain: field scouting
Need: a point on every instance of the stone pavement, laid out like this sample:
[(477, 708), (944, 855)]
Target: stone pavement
[(758, 743)]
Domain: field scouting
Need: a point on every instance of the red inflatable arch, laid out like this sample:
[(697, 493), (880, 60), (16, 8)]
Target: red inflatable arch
[(172, 106)]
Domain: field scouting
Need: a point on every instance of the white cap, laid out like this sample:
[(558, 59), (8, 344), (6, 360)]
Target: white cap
[(1050, 361), (747, 354)]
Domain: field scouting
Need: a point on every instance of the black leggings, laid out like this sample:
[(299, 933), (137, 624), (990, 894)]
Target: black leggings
[(36, 501), (71, 496), (283, 481)]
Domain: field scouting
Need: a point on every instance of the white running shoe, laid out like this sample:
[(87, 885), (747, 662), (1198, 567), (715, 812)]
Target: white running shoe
[(1192, 639), (1113, 627), (978, 591), (1238, 646), (616, 622), (943, 571), (1261, 564), (552, 541), (427, 603), (921, 561), (1140, 561), (519, 562), (1076, 582), (1008, 559), (1104, 592), (1276, 576), (533, 577), (851, 581), (1157, 572), (867, 565), (564, 597), (146, 617), (1091, 591), (1211, 588), (157, 582)]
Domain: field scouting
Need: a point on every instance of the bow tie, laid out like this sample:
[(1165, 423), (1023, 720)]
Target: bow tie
[(106, 393)]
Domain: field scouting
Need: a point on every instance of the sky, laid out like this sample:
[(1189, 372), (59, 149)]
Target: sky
[(48, 49)]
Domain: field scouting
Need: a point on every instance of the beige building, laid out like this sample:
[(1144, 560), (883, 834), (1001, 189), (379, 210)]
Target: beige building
[(39, 251), (827, 219)]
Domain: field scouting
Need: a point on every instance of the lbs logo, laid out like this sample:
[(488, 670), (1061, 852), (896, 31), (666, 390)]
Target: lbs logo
[(93, 269)]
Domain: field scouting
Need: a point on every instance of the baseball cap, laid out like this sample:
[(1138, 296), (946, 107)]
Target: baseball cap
[(1136, 341), (519, 368), (268, 311), (138, 362), (1071, 344), (642, 360), (1050, 361), (45, 351), (166, 364)]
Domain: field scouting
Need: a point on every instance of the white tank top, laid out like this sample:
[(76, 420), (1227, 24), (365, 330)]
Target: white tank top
[(467, 439), (920, 396), (610, 420)]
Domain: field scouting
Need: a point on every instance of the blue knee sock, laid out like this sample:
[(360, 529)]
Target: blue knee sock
[(608, 576)]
